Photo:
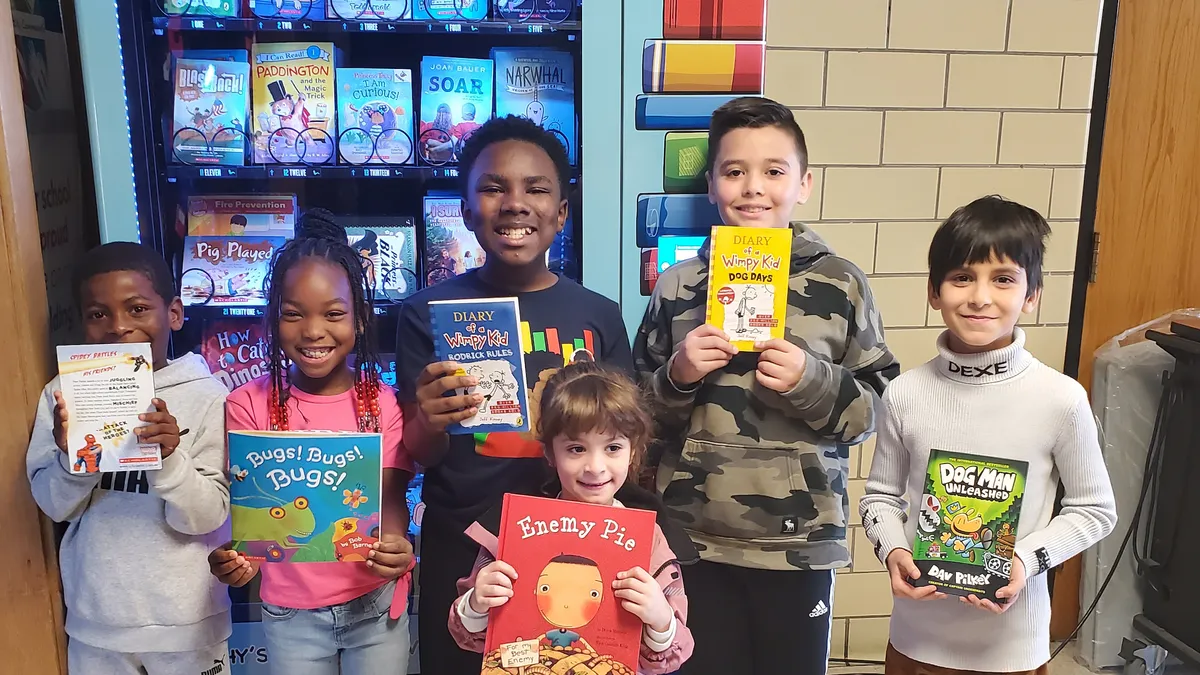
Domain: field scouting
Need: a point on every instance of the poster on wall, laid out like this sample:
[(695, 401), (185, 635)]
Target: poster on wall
[(50, 121), (695, 56)]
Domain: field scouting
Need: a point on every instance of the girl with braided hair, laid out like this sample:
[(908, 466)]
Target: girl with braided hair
[(326, 618)]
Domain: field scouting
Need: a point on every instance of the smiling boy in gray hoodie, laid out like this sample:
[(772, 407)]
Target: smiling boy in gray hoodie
[(123, 615)]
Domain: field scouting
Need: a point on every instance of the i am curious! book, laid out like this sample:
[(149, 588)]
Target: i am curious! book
[(563, 616), (306, 496), (483, 337), (748, 282)]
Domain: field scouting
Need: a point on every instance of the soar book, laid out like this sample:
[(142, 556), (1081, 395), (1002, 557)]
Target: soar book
[(967, 525), (563, 616), (305, 496)]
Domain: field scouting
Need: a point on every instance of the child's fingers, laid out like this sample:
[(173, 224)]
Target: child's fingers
[(157, 418), (450, 404), (720, 344), (435, 371), (507, 570), (772, 369), (160, 405), (229, 567), (923, 593), (156, 430), (773, 383)]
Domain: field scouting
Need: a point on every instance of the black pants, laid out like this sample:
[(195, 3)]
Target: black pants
[(757, 622), (447, 555)]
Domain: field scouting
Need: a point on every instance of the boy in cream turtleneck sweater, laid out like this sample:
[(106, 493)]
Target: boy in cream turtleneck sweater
[(984, 394)]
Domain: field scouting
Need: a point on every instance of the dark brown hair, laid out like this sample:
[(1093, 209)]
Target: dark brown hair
[(585, 396), (753, 112), (990, 226)]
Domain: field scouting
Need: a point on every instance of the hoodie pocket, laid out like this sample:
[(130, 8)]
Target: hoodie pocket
[(743, 492)]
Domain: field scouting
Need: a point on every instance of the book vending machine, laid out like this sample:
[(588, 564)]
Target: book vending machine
[(215, 123)]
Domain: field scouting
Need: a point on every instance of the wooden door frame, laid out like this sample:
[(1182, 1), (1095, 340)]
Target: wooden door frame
[(1065, 609)]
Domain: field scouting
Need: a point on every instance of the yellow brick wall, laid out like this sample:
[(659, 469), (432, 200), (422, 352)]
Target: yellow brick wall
[(912, 108)]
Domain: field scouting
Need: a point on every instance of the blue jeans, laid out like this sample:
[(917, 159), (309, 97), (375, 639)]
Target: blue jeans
[(359, 635)]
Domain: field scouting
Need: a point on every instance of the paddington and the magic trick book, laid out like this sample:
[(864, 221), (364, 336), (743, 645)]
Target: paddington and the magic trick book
[(563, 615), (967, 524)]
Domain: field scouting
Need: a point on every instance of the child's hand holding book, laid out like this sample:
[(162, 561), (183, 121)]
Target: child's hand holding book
[(780, 365), (391, 556), (437, 410), (231, 567), (60, 421), (493, 586), (902, 568), (641, 596), (705, 349), (1007, 595), (161, 427)]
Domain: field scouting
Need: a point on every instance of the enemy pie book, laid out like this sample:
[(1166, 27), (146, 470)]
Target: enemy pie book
[(563, 617)]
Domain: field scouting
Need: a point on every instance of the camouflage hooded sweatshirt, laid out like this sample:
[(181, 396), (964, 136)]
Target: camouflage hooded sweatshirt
[(760, 480)]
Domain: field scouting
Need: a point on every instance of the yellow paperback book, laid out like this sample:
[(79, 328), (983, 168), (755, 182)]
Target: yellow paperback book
[(748, 283)]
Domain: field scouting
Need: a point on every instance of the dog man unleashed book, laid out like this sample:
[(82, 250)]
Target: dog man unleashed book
[(563, 617), (967, 525)]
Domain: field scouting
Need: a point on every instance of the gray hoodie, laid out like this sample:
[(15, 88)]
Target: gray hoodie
[(135, 556)]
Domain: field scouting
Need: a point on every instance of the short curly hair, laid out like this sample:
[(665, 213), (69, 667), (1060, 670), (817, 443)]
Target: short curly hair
[(126, 256), (513, 128)]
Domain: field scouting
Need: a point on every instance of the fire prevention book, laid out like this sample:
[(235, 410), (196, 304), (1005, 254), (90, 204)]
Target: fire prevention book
[(748, 282), (305, 496), (563, 617), (105, 388), (484, 338), (967, 526)]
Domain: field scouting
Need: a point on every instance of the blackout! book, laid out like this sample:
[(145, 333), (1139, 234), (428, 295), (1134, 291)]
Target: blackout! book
[(484, 338), (105, 388), (967, 525), (305, 496), (211, 103), (563, 617), (748, 282)]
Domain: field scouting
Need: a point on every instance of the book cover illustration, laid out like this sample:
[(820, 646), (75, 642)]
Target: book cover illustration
[(967, 524), (483, 336), (702, 67), (227, 270), (294, 108), (242, 215), (450, 248), (714, 20), (305, 496), (685, 156), (534, 11), (450, 10), (209, 121), (539, 85), (748, 283), (456, 99), (105, 388), (370, 10), (286, 10), (563, 617), (218, 8), (389, 250), (235, 350), (375, 120)]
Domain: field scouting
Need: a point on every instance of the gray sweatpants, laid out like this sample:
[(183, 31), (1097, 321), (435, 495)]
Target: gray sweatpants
[(84, 659)]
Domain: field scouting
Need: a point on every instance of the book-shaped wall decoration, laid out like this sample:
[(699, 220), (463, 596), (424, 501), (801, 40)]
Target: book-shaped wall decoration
[(658, 112), (702, 66), (685, 158), (660, 215), (714, 19)]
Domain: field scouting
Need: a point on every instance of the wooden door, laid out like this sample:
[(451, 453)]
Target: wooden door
[(1147, 208), (31, 638)]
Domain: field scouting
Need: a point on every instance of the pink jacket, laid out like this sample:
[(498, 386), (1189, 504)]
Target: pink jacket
[(662, 565)]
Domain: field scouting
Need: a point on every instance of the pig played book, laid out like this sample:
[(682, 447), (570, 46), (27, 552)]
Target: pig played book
[(748, 283), (305, 496), (483, 337), (967, 525), (563, 616)]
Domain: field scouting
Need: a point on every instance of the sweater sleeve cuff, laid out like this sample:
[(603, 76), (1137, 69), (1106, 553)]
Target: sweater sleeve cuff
[(660, 642), (816, 379), (887, 539), (174, 469), (473, 621), (1031, 561)]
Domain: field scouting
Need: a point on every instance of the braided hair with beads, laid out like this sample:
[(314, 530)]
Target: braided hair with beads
[(318, 235)]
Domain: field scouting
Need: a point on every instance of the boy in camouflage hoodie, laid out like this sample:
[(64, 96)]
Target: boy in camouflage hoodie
[(760, 482)]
